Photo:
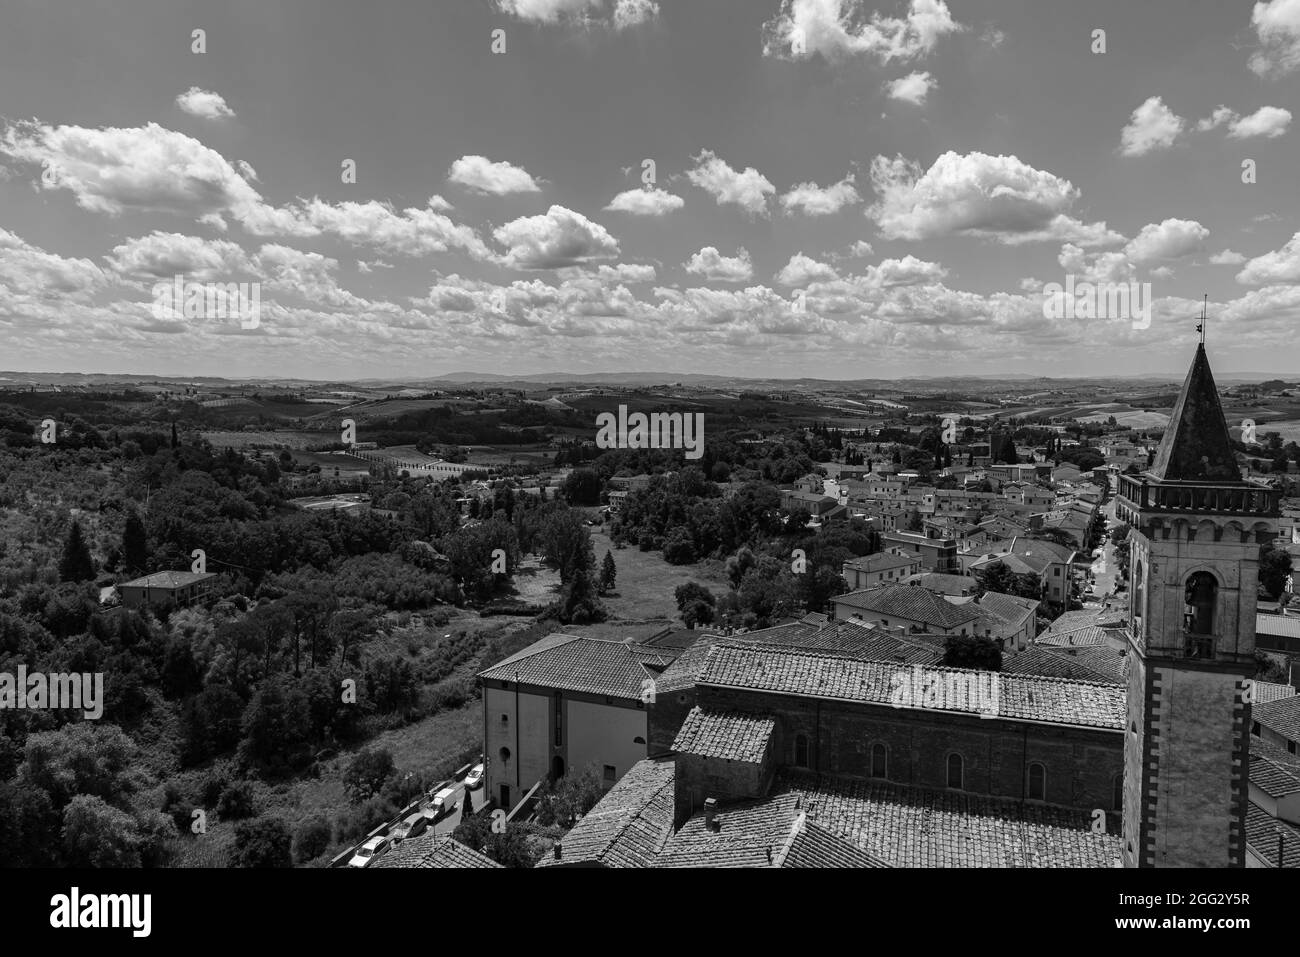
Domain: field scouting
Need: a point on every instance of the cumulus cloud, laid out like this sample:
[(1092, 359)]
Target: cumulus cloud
[(991, 197), (1277, 28), (812, 200), (801, 270), (913, 88), (28, 270), (622, 15), (1171, 239), (556, 239), (712, 265), (838, 29), (204, 104), (645, 202), (479, 174), (1279, 266), (748, 190), (151, 169), (1216, 119), (1268, 121), (1227, 258), (162, 255), (861, 248), (1152, 126)]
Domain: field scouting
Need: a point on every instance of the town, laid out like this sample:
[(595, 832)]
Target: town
[(473, 637)]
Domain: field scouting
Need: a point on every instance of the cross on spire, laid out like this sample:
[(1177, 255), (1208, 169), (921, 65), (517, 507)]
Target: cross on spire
[(1200, 326)]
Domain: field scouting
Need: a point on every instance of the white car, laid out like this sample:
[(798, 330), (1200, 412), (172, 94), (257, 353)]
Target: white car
[(475, 778), (369, 852)]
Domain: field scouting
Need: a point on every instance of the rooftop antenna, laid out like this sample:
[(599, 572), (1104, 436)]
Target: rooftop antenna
[(1200, 326)]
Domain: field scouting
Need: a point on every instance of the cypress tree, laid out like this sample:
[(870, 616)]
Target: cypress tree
[(135, 547), (76, 564)]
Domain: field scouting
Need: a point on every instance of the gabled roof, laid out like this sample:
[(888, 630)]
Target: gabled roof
[(1282, 716), (630, 824), (733, 735), (1009, 609), (590, 665), (168, 579), (1273, 770), (1196, 445), (1262, 833), (912, 603), (433, 850), (820, 674)]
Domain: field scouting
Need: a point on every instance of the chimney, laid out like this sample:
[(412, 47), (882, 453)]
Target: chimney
[(558, 851), (710, 810)]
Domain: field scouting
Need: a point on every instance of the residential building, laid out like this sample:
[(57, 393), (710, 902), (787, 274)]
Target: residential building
[(566, 702), (879, 569), (937, 554), (168, 587)]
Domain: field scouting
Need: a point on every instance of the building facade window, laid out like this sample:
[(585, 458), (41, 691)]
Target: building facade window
[(801, 750), (1037, 782), (1201, 597), (879, 760), (955, 772)]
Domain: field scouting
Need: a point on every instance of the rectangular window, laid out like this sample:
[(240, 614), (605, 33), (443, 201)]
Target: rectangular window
[(505, 719), (609, 773), (1056, 573)]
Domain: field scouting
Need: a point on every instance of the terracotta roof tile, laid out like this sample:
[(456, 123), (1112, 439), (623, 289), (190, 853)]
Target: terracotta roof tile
[(725, 734), (433, 850), (630, 825)]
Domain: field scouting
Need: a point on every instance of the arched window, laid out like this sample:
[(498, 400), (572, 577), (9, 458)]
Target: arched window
[(879, 760), (1201, 595), (955, 770), (505, 754), (1037, 782), (801, 751)]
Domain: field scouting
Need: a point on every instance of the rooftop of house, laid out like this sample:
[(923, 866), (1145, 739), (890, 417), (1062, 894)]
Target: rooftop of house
[(1101, 663), (1009, 609), (433, 850), (903, 826), (910, 603), (1263, 832), (1273, 770), (1280, 626), (733, 735), (630, 824), (942, 584), (830, 675), (589, 665), (168, 579), (760, 833), (1281, 716), (882, 561)]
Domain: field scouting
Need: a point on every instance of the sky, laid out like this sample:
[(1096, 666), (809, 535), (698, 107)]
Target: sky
[(825, 188)]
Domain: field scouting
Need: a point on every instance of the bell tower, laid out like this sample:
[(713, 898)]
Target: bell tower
[(1197, 527)]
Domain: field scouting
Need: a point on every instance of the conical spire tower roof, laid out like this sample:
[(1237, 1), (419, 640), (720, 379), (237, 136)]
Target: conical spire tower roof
[(1196, 446)]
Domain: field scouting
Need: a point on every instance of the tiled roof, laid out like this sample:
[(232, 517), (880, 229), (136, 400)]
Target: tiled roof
[(725, 734), (910, 603), (821, 674), (882, 561), (433, 850), (761, 833), (683, 672), (1273, 770), (1266, 691), (918, 827), (857, 638), (630, 825), (1280, 625), (814, 846), (167, 579), (1048, 661), (942, 584), (1011, 609), (1262, 832), (1282, 716), (588, 665)]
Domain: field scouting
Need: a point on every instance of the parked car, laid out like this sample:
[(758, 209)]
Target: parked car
[(413, 826), (443, 803), (475, 777), (369, 852)]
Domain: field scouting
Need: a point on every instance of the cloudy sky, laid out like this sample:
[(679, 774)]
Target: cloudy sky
[(823, 188)]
